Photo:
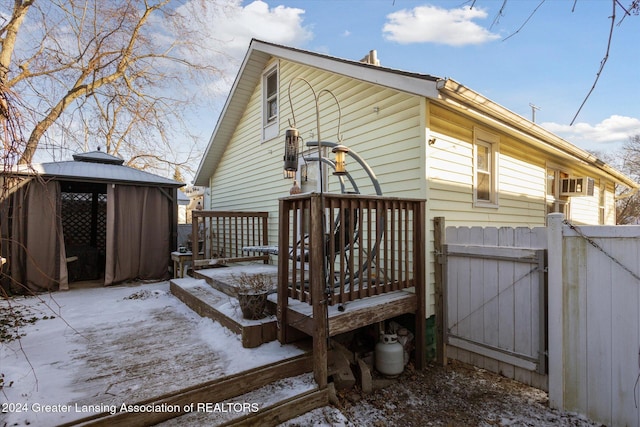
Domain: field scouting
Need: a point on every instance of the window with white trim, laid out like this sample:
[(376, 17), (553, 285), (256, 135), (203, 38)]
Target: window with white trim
[(555, 201), (270, 91), (602, 191), (485, 191)]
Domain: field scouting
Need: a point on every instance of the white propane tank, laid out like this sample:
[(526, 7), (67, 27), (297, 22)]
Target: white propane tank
[(389, 355)]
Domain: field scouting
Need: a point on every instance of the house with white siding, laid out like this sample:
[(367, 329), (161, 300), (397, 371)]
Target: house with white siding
[(474, 161)]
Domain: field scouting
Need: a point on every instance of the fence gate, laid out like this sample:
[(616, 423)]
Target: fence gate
[(494, 294)]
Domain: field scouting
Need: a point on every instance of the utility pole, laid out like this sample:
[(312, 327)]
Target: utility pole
[(534, 108)]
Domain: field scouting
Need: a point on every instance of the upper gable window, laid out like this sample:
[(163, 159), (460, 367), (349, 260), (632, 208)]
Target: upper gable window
[(270, 85), (485, 169)]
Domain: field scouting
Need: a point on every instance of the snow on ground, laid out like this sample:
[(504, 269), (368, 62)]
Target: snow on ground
[(86, 351), (107, 346)]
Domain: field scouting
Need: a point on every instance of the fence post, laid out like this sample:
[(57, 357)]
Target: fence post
[(419, 280), (438, 242), (555, 309)]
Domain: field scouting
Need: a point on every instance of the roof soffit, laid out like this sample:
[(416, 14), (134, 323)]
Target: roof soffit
[(460, 97)]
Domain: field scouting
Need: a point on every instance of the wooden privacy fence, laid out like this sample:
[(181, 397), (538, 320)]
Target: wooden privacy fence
[(494, 299), (218, 237)]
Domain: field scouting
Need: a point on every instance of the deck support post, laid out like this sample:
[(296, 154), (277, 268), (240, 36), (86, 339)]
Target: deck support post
[(283, 272), (318, 298)]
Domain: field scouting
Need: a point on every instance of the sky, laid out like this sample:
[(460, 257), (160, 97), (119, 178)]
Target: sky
[(518, 53)]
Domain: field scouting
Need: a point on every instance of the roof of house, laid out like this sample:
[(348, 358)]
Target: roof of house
[(445, 90), (95, 166)]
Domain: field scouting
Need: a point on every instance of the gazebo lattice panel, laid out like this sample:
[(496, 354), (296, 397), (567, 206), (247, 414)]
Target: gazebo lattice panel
[(78, 219)]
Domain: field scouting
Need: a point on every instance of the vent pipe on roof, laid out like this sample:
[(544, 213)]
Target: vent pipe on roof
[(371, 58)]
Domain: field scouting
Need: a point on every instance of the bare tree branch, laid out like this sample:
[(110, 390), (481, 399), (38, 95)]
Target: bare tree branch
[(533, 12), (500, 13), (602, 63), (113, 77)]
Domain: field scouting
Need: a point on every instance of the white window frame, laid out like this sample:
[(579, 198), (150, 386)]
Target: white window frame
[(602, 202), (482, 138), (270, 124), (561, 204)]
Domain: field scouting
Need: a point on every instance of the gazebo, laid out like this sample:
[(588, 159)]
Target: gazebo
[(92, 218)]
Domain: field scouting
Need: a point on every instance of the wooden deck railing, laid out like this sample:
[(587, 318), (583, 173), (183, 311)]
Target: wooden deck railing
[(349, 247), (219, 236), (337, 248)]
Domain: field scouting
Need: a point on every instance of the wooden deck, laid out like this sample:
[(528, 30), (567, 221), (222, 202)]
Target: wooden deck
[(219, 390), (343, 262), (211, 297), (350, 261)]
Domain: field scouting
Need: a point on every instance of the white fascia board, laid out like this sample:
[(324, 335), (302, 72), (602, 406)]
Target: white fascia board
[(404, 82), (251, 67), (457, 95)]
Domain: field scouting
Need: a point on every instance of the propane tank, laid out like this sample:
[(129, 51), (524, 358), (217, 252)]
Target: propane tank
[(389, 355)]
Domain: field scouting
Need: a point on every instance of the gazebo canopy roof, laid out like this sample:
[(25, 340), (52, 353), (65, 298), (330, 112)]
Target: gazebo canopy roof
[(95, 166), (98, 157)]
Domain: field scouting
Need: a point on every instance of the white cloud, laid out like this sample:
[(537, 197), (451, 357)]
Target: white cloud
[(256, 20), (615, 129), (431, 24), (228, 27)]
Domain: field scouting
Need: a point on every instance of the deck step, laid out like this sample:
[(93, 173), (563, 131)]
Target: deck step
[(216, 305), (266, 386), (269, 405), (222, 278)]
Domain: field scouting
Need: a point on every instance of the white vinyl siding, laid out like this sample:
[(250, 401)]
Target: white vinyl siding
[(381, 125), (389, 130), (519, 175), (250, 178), (586, 209)]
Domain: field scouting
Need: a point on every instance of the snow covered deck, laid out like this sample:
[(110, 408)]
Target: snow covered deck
[(344, 261), (210, 296)]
